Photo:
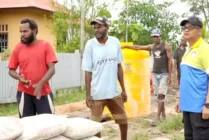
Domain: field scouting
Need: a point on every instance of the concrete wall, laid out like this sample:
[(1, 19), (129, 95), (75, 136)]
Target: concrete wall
[(12, 18)]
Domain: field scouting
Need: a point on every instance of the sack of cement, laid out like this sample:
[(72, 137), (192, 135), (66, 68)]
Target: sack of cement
[(10, 128), (60, 138), (92, 138), (79, 128), (42, 127)]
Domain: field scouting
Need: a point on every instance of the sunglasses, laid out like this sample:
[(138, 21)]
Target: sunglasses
[(190, 28)]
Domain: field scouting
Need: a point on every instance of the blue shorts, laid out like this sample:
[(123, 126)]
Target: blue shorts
[(28, 105), (160, 83)]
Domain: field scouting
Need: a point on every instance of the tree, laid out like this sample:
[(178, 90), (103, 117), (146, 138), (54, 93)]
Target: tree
[(198, 7), (204, 31), (65, 22), (143, 17)]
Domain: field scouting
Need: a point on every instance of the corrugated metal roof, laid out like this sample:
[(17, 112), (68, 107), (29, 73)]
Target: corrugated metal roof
[(40, 4)]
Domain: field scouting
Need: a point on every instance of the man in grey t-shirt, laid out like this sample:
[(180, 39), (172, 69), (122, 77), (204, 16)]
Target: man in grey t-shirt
[(162, 67)]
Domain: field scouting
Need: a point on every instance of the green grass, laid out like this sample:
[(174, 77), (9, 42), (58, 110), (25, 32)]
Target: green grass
[(178, 137), (11, 109), (112, 130), (140, 136), (172, 124), (8, 109), (70, 97), (143, 123)]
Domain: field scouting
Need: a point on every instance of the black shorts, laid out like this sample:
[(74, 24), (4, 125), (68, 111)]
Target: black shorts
[(195, 128), (28, 105)]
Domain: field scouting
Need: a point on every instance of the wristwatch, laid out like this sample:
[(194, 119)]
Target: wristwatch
[(207, 105)]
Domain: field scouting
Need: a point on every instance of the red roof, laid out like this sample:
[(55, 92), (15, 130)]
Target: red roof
[(40, 4)]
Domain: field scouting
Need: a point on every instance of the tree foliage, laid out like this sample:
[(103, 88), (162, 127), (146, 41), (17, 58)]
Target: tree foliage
[(142, 18), (199, 7), (65, 22)]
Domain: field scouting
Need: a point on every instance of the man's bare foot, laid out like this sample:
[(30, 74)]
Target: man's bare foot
[(157, 118), (155, 121), (163, 117)]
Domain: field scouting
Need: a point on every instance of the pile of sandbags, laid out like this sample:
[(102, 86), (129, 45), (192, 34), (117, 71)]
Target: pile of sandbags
[(42, 127), (10, 128), (50, 127)]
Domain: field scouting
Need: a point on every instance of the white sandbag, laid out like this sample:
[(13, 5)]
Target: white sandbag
[(42, 126), (60, 138), (10, 128), (92, 138), (79, 128)]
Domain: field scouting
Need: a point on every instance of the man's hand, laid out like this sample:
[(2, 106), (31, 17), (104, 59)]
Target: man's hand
[(89, 101), (177, 107), (37, 91), (124, 96), (205, 113), (23, 81)]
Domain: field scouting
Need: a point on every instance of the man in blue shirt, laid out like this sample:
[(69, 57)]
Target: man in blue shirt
[(194, 93), (102, 65)]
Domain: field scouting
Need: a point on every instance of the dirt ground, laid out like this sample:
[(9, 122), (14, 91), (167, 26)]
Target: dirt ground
[(111, 130)]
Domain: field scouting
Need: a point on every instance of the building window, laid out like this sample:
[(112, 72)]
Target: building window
[(3, 41), (3, 37), (3, 28)]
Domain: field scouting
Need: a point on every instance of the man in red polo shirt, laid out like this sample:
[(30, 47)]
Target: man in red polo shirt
[(36, 61)]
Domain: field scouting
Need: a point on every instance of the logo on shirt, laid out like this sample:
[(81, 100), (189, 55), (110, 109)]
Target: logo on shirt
[(106, 60), (193, 54), (157, 54)]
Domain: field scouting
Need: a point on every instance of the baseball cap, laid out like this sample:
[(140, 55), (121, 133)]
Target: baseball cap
[(193, 20), (155, 32), (100, 20)]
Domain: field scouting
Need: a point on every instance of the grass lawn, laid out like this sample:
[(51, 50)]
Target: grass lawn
[(169, 128), (11, 109)]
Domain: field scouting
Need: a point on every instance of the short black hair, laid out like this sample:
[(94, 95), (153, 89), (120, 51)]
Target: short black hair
[(32, 24)]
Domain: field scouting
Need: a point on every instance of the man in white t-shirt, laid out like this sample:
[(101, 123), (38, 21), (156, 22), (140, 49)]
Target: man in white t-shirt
[(102, 65)]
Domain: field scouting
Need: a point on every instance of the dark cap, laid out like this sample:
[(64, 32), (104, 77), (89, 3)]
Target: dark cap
[(193, 20), (100, 20)]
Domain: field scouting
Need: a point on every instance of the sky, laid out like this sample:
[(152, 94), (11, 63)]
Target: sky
[(178, 7)]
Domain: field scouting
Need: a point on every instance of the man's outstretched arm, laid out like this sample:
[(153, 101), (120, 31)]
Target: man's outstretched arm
[(138, 47)]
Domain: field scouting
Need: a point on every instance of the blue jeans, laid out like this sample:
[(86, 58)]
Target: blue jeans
[(160, 83)]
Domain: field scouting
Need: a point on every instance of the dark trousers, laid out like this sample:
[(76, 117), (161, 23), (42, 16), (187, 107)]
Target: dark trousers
[(195, 128), (28, 105)]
